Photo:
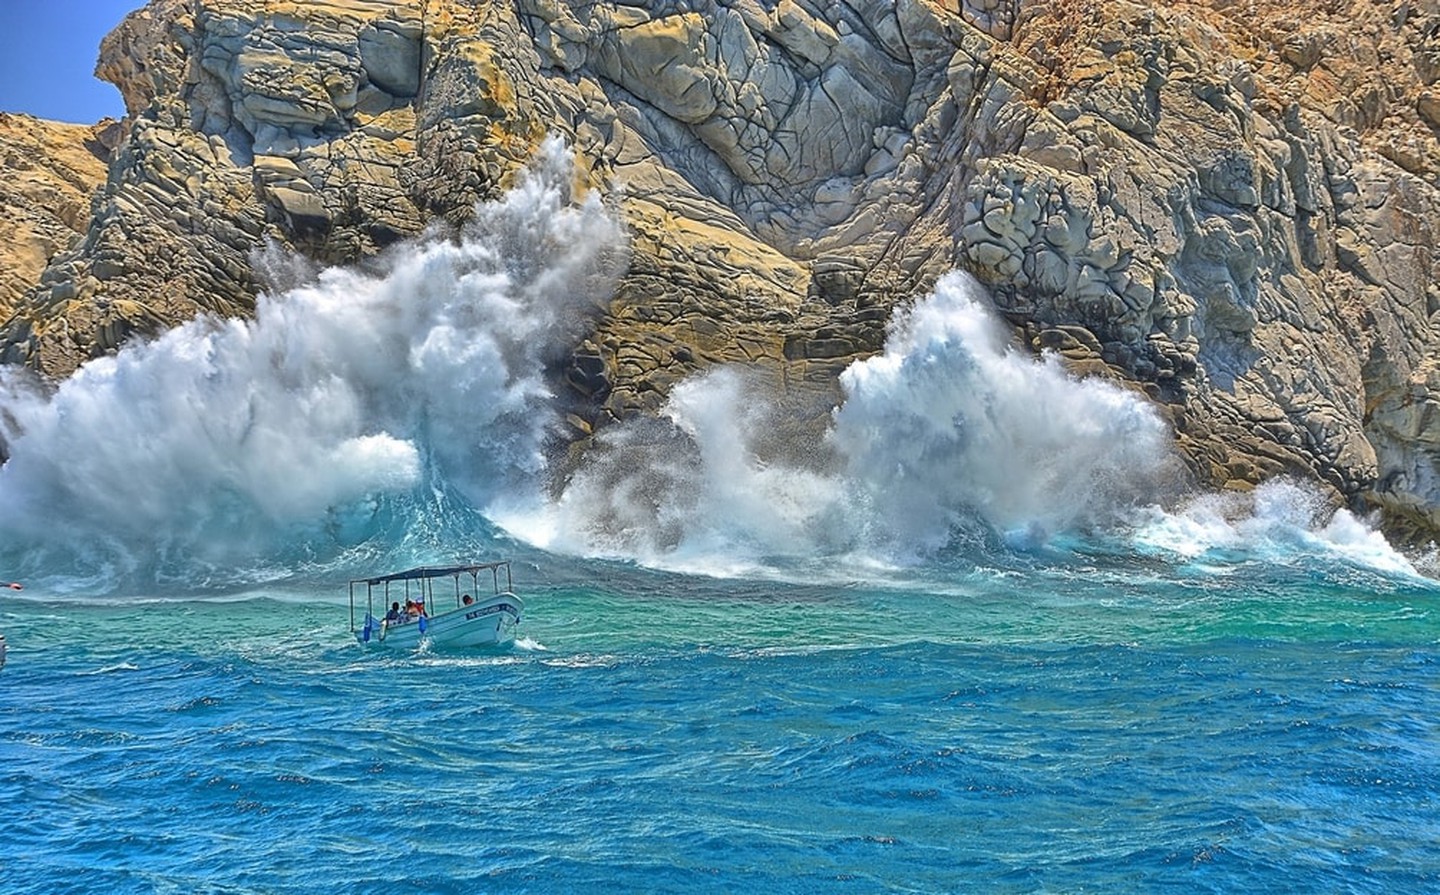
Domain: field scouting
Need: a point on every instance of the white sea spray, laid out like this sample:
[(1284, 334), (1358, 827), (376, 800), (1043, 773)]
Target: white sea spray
[(1281, 521), (395, 405), (950, 442), (221, 438), (952, 420), (950, 428)]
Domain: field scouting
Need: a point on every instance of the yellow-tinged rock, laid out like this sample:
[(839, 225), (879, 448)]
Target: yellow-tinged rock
[(52, 170)]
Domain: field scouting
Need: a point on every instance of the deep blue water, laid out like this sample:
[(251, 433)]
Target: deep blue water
[(1082, 728)]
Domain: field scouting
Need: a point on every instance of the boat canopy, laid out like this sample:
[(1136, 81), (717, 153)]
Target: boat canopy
[(424, 572)]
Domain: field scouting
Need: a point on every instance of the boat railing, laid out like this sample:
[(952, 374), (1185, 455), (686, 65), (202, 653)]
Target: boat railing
[(422, 580)]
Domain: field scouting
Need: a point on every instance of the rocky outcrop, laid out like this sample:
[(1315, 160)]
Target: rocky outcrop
[(1238, 209), (51, 172), (1229, 208)]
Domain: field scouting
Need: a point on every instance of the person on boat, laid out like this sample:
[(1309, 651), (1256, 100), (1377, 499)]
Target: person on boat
[(414, 609), (394, 614), (467, 600)]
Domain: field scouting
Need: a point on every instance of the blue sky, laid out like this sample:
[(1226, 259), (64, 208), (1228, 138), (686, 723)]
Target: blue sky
[(48, 50)]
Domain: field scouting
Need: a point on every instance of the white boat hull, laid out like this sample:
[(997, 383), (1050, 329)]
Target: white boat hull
[(489, 621)]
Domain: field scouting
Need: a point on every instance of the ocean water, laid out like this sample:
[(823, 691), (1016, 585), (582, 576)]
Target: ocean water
[(1084, 727), (978, 637)]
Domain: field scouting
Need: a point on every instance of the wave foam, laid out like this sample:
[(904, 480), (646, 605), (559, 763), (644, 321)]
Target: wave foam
[(381, 413), (949, 434), (235, 441), (1280, 521)]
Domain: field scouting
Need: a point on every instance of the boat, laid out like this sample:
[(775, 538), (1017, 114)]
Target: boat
[(439, 604)]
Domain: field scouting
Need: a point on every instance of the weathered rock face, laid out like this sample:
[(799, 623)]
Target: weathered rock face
[(1229, 209), (51, 171), (1239, 210)]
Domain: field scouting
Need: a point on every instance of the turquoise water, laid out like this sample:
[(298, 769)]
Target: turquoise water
[(1084, 727)]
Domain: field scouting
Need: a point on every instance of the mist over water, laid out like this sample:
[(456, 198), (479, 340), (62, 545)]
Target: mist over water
[(399, 414), (950, 435), (350, 408), (952, 419)]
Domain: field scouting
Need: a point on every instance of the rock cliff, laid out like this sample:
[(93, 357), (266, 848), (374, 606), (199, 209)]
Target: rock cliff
[(1228, 205), (51, 171)]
